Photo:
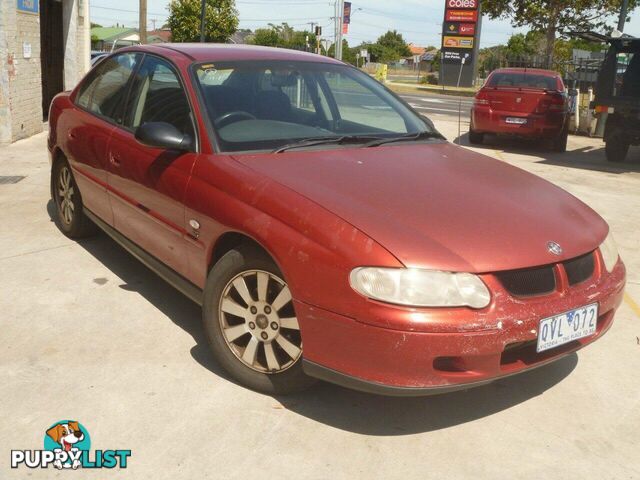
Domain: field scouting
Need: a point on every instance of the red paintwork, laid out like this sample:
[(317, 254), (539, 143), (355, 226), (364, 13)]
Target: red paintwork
[(322, 213), (530, 103)]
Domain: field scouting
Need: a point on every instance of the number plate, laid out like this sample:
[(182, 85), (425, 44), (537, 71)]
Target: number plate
[(516, 120), (566, 327)]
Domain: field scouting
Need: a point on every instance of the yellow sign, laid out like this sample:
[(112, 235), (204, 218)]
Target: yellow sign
[(457, 42), (381, 72)]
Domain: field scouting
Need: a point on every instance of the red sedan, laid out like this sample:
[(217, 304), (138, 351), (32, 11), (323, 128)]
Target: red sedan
[(327, 230), (522, 102)]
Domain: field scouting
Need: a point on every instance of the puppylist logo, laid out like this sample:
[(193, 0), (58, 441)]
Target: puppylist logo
[(67, 445)]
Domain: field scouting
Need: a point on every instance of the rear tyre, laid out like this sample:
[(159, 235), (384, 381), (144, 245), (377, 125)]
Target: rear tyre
[(616, 150), (476, 138), (251, 325), (71, 218), (560, 143)]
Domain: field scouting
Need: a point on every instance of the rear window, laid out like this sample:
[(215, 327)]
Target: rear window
[(523, 80)]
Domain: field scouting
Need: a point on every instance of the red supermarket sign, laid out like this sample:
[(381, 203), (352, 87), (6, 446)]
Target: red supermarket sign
[(462, 16), (467, 29), (462, 4)]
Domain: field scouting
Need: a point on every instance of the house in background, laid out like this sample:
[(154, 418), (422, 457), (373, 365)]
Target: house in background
[(103, 38), (421, 58), (162, 35)]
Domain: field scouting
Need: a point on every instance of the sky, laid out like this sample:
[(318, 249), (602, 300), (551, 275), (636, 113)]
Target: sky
[(419, 21)]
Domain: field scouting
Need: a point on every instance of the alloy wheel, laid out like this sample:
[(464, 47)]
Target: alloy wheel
[(65, 195), (258, 322)]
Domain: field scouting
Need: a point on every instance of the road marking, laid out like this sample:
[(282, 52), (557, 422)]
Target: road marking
[(633, 305), (433, 109)]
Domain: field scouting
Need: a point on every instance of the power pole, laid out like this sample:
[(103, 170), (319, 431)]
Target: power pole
[(203, 13), (340, 4), (623, 15), (142, 24)]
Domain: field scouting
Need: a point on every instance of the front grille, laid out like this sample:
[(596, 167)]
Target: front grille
[(579, 269), (528, 282)]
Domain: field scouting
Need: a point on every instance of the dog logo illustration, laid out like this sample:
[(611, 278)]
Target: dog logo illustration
[(67, 445), (69, 437)]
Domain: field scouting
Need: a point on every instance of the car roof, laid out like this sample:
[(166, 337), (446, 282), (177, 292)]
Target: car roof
[(218, 52), (537, 71)]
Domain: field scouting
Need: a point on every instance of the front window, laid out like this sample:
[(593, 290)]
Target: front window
[(269, 105)]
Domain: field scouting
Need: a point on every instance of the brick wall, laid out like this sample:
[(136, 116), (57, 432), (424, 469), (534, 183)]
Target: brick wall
[(20, 78), (25, 81)]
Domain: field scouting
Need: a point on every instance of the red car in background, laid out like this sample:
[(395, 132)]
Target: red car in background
[(326, 229), (522, 102)]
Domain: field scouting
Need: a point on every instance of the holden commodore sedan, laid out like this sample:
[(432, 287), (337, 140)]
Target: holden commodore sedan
[(326, 229), (523, 102)]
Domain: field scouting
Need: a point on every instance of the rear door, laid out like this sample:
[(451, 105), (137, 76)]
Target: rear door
[(520, 92), (98, 109), (147, 185)]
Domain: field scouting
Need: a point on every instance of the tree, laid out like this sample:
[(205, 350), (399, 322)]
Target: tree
[(390, 47), (553, 17), (284, 36), (221, 20), (348, 53)]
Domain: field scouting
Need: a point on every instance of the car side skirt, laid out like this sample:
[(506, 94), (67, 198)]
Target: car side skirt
[(180, 283)]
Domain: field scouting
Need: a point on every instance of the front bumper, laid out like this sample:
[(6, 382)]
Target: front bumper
[(390, 361)]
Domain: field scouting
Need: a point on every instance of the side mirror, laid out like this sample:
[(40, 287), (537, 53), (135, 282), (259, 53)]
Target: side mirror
[(573, 92), (163, 135)]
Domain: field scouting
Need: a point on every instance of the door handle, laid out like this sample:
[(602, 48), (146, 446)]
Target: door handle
[(114, 160)]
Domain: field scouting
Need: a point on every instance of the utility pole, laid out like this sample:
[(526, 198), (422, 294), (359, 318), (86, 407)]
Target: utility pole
[(142, 24), (203, 14), (340, 13), (623, 15)]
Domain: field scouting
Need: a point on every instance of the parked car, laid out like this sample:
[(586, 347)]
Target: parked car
[(326, 229), (618, 95), (522, 102), (97, 57)]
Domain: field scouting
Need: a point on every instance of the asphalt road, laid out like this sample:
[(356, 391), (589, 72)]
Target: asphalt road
[(435, 106)]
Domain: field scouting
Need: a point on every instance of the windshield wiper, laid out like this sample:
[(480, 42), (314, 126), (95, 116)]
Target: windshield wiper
[(405, 138), (344, 139)]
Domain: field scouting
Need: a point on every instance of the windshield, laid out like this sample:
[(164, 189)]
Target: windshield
[(270, 105)]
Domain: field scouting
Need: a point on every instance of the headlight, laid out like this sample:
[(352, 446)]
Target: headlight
[(609, 252), (420, 288)]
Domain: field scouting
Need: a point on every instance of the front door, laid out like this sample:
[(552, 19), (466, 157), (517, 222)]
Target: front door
[(98, 109), (147, 185)]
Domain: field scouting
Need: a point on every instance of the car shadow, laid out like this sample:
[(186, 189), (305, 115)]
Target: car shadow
[(585, 158), (329, 404), (136, 277), (368, 414)]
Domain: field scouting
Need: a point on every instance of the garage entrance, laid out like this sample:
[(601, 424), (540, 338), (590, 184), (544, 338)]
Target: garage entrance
[(51, 52)]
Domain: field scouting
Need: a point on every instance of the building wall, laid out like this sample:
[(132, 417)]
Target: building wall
[(20, 78)]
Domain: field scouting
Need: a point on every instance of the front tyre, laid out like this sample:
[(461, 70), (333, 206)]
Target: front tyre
[(69, 207), (251, 324)]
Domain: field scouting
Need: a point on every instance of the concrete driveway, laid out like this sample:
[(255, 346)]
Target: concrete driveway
[(90, 334)]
